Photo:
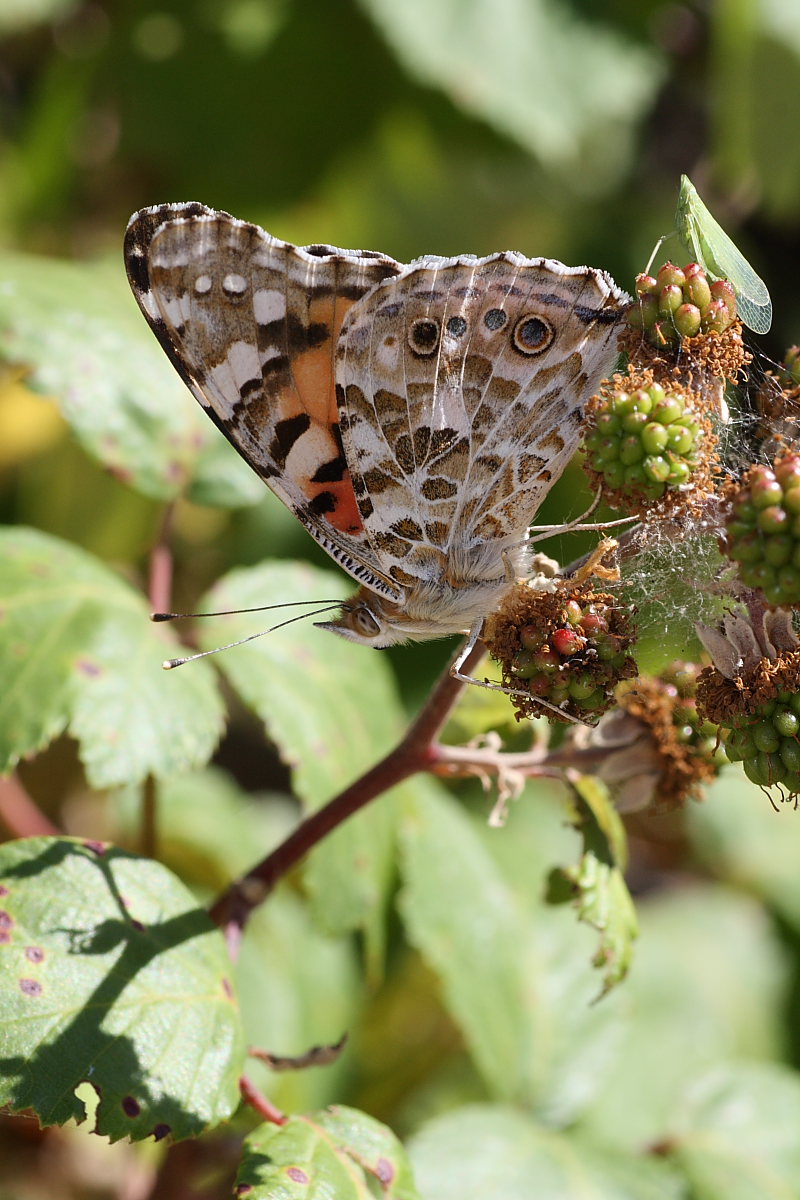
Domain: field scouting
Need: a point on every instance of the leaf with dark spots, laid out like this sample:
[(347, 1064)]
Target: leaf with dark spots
[(140, 1014)]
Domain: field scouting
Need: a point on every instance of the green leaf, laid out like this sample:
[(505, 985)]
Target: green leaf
[(568, 91), (298, 988), (599, 891), (569, 1045), (709, 985), (339, 1153), (735, 1133), (114, 977), (78, 653), (482, 1152), (737, 834), (76, 327), (460, 915), (208, 828), (331, 710)]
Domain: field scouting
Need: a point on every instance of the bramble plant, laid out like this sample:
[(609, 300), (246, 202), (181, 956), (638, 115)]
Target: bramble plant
[(136, 980)]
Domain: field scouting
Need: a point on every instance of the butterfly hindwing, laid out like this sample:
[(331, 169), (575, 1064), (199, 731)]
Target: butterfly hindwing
[(462, 385)]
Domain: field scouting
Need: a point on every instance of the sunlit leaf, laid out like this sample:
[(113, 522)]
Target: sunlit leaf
[(480, 1152), (330, 708), (735, 1133), (567, 91), (709, 986), (339, 1153), (78, 654), (460, 914), (114, 977), (76, 328), (596, 884)]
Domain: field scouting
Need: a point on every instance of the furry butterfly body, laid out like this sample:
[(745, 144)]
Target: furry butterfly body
[(413, 417)]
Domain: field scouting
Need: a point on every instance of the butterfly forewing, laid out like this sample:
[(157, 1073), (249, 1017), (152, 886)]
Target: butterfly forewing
[(251, 323)]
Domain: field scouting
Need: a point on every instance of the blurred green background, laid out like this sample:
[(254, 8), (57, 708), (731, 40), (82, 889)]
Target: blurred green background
[(553, 127)]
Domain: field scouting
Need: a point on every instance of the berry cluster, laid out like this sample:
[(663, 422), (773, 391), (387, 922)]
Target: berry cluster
[(766, 742), (681, 303), (763, 530), (642, 442), (568, 648), (693, 731), (680, 741)]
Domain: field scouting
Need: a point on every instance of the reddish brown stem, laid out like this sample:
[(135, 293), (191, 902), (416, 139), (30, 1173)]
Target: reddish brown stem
[(414, 753), (149, 825), (257, 1100), (20, 815), (160, 581)]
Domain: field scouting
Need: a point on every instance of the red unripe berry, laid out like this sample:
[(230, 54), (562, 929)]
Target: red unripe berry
[(567, 642)]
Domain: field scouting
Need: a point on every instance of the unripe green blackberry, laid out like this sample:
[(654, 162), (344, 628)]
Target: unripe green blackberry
[(692, 729), (752, 691), (767, 744), (568, 648), (641, 442), (763, 529), (678, 303)]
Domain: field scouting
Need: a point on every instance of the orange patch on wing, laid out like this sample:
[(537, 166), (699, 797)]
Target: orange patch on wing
[(313, 372)]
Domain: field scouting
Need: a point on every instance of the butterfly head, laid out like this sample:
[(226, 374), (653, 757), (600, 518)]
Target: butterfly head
[(370, 621)]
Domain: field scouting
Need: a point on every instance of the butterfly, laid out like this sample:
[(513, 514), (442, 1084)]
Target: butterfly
[(413, 417)]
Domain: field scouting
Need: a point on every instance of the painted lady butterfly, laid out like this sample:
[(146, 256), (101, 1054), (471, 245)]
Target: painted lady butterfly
[(412, 417)]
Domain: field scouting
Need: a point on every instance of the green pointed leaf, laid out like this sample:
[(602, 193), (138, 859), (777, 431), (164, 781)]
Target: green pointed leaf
[(735, 1133), (75, 326), (560, 87), (460, 914), (598, 886), (331, 709), (337, 1153), (479, 1152), (114, 977), (78, 654)]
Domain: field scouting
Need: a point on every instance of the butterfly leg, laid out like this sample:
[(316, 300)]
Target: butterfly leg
[(457, 673)]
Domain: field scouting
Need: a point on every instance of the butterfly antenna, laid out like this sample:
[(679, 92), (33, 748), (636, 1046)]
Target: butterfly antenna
[(233, 612), (170, 663)]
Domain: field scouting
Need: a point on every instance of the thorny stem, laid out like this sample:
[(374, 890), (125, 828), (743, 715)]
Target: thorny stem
[(414, 753)]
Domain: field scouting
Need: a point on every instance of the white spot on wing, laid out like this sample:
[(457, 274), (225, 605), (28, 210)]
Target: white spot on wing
[(234, 285), (202, 285), (269, 305)]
